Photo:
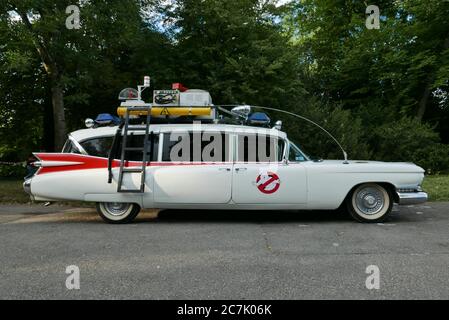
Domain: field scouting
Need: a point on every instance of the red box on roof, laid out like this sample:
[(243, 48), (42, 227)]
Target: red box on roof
[(179, 86)]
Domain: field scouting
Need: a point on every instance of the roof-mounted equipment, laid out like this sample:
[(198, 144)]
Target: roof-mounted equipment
[(259, 119)]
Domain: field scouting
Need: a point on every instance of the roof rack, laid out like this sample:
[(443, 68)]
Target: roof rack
[(183, 105)]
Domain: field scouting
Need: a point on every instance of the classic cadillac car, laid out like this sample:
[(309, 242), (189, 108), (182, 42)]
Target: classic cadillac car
[(251, 168)]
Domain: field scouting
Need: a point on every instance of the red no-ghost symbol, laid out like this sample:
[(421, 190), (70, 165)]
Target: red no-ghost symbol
[(268, 183)]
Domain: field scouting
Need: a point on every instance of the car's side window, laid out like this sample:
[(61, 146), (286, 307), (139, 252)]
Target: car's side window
[(259, 148), (69, 147), (195, 147), (136, 141), (170, 143), (99, 147), (295, 155), (281, 149)]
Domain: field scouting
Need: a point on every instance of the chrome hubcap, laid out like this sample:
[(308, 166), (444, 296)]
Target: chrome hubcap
[(116, 209), (370, 200)]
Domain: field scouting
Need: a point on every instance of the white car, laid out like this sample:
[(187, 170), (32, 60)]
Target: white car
[(286, 180)]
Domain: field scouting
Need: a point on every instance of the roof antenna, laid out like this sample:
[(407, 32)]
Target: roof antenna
[(345, 155)]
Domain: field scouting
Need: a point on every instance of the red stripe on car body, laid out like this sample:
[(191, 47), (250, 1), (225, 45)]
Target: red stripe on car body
[(85, 162)]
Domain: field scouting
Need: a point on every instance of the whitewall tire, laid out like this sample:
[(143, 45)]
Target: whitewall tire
[(116, 212), (370, 202)]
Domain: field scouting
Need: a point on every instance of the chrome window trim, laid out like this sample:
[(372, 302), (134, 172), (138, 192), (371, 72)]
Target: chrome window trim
[(160, 147), (77, 145)]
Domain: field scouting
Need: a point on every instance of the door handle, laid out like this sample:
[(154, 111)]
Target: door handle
[(224, 169), (240, 169)]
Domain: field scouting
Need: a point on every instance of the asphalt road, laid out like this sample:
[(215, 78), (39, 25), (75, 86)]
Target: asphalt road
[(223, 255)]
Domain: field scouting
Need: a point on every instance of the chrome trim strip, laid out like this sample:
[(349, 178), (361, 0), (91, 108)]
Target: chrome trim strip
[(412, 197), (49, 163)]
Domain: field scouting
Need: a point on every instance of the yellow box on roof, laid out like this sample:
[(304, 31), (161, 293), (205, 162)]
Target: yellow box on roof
[(168, 111)]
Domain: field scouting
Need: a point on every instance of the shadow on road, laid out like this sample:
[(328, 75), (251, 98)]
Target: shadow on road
[(88, 215), (250, 216), (174, 216)]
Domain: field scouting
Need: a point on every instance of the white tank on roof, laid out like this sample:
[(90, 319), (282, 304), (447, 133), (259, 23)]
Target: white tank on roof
[(195, 98)]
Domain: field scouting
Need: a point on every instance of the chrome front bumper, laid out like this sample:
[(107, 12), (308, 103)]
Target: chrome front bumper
[(412, 197)]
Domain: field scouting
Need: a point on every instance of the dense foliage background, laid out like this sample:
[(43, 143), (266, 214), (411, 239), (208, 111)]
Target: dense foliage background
[(383, 93)]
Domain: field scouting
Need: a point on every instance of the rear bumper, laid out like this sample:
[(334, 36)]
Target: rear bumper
[(412, 197), (27, 188)]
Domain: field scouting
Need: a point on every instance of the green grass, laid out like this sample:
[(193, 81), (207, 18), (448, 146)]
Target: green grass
[(437, 187), (11, 190)]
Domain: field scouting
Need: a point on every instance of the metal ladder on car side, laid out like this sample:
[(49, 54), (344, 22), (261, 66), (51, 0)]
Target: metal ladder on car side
[(145, 150)]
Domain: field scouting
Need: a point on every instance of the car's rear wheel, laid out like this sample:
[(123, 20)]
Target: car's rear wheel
[(370, 202), (116, 212)]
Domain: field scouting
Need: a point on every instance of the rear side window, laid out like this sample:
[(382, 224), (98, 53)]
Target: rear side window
[(98, 147), (69, 147), (136, 141)]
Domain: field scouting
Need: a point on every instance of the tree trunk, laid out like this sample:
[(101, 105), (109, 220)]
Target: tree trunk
[(54, 73), (424, 99), (57, 99), (48, 140)]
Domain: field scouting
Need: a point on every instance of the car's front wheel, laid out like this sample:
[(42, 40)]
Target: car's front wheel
[(370, 202), (116, 212)]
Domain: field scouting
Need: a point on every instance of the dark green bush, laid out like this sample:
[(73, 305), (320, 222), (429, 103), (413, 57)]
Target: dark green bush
[(434, 159), (412, 141), (347, 129), (363, 135), (12, 170)]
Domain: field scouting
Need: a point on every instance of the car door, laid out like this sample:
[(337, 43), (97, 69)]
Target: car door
[(258, 181), (194, 179)]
